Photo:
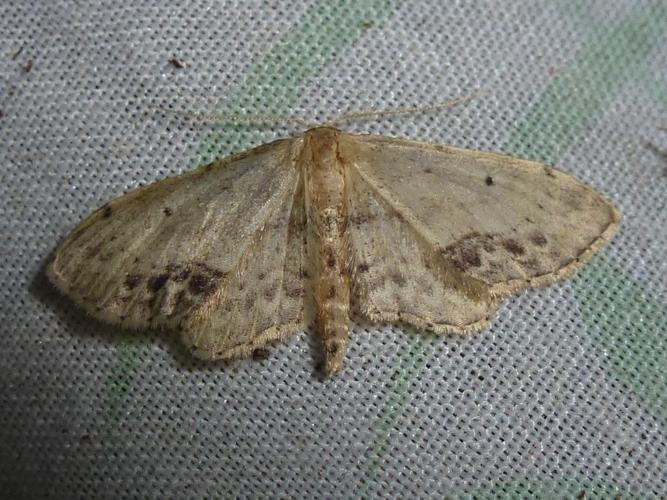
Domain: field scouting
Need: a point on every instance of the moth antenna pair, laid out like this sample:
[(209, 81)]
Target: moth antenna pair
[(247, 119)]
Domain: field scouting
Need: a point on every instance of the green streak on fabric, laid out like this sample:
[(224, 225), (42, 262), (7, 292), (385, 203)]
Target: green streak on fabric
[(577, 98), (416, 350), (547, 489), (578, 12), (579, 95), (271, 85), (658, 90), (276, 80), (574, 100), (629, 326), (119, 383)]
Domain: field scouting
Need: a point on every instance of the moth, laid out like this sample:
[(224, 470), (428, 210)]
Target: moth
[(319, 227)]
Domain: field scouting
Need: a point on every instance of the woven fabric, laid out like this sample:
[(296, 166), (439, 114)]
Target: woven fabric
[(563, 395)]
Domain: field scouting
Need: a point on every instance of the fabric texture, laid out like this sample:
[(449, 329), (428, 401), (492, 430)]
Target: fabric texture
[(563, 395)]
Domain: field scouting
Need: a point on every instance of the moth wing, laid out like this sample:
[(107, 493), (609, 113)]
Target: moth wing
[(493, 223), (397, 275), (211, 253), (263, 298), (510, 223)]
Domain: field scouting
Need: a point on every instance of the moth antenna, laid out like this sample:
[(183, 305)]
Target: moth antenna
[(238, 118), (344, 118), (365, 115)]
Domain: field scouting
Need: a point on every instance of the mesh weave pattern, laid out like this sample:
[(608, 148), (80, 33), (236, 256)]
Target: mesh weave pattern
[(563, 394)]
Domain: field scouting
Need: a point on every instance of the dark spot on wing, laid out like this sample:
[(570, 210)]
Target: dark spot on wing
[(471, 257), (208, 167), (167, 211), (464, 253), (201, 267), (295, 292), (181, 275), (489, 180), (155, 283), (261, 276), (397, 215), (331, 260), (204, 280), (549, 171), (398, 278), (249, 302), (513, 246), (201, 284), (269, 293), (132, 280), (106, 211), (538, 239), (359, 219), (362, 268), (332, 292), (260, 354), (428, 171)]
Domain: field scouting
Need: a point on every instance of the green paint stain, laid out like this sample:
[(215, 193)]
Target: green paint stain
[(629, 325), (581, 93), (415, 352), (277, 79), (118, 385), (578, 12), (657, 88), (575, 100)]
